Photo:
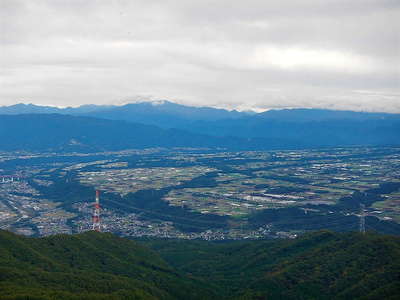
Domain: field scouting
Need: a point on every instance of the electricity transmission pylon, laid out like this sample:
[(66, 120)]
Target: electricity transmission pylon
[(362, 218)]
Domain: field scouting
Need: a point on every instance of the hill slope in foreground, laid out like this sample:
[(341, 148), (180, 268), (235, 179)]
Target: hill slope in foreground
[(320, 265)]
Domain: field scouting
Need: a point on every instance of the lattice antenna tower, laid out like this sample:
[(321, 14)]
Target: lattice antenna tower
[(362, 218), (96, 213)]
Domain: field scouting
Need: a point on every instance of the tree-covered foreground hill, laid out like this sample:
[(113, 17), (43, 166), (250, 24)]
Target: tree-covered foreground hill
[(320, 265), (88, 266)]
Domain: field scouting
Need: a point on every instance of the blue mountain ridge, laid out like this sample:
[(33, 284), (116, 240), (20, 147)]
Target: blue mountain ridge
[(167, 124)]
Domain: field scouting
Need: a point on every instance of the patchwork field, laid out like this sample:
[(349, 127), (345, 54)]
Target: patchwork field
[(195, 193)]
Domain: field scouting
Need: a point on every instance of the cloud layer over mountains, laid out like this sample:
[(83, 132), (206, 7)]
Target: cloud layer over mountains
[(237, 54)]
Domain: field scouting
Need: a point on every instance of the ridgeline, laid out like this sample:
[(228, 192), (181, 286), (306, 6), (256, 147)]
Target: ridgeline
[(319, 265)]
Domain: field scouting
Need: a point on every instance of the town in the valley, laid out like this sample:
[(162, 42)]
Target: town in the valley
[(200, 193)]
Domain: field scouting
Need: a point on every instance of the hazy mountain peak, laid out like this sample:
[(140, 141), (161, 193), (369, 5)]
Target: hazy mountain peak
[(154, 102), (159, 102), (22, 108)]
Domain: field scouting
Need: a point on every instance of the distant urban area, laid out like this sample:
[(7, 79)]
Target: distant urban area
[(202, 194)]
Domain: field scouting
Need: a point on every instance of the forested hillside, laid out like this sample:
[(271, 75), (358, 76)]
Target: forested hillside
[(87, 266), (320, 265)]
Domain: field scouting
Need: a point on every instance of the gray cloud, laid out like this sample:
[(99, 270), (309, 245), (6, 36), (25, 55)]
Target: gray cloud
[(238, 54)]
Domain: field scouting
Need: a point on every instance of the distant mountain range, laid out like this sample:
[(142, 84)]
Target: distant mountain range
[(22, 108), (55, 132), (167, 124), (163, 113), (167, 114)]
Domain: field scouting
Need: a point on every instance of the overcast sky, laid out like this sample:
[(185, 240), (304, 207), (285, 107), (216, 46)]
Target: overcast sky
[(338, 54)]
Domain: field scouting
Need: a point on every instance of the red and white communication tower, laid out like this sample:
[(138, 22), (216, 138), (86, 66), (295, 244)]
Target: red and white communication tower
[(96, 213)]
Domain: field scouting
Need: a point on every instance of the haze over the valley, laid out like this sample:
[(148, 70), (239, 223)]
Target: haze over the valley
[(335, 54)]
